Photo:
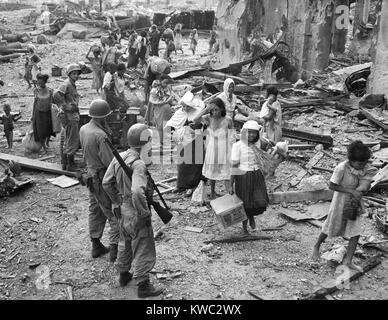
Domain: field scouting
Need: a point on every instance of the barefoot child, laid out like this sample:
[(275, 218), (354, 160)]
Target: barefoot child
[(193, 40), (7, 120), (249, 166), (350, 180)]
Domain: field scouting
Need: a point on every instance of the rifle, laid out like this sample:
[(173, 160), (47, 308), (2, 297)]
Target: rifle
[(163, 213)]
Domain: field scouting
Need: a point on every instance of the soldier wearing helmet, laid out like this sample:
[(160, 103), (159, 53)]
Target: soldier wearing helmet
[(98, 156), (67, 98), (137, 245)]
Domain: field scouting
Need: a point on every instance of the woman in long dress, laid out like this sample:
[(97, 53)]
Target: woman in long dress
[(190, 144), (41, 114), (216, 166)]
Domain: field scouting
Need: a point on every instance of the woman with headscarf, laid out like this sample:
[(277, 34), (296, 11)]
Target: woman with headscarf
[(250, 165), (190, 139), (216, 166), (41, 113), (230, 100)]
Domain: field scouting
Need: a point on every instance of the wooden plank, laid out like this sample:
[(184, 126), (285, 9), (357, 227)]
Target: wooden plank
[(299, 196), (167, 180), (370, 117), (223, 76), (301, 146), (314, 160), (193, 229), (312, 135), (37, 165), (239, 239), (301, 174), (297, 179), (332, 285), (322, 169)]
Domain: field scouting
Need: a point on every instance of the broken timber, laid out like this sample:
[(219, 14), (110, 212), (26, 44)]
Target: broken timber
[(347, 276), (316, 136), (370, 117), (239, 239), (37, 165), (299, 196), (313, 161)]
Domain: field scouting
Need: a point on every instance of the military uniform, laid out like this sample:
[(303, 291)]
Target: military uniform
[(98, 157), (66, 96), (137, 246)]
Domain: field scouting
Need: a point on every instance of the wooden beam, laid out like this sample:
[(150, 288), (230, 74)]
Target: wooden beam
[(312, 135), (239, 239), (37, 165), (223, 76), (301, 146), (299, 196), (332, 285), (313, 161), (370, 117)]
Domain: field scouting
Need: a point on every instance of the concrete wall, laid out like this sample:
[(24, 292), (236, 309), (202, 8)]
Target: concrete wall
[(378, 81)]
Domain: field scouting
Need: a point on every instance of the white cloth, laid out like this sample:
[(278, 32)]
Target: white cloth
[(177, 120), (245, 155), (107, 80)]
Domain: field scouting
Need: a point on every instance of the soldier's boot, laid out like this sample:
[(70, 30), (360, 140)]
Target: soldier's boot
[(147, 289), (124, 278), (70, 163), (98, 249), (113, 252), (64, 161)]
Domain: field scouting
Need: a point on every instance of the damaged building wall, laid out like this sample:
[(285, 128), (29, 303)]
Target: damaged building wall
[(378, 81), (309, 29), (237, 19)]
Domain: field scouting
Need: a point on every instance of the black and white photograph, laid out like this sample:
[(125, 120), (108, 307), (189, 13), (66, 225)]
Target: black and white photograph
[(195, 157)]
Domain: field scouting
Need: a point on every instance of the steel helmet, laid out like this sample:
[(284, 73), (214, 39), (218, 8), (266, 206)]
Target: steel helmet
[(99, 109), (138, 135), (252, 125), (73, 67)]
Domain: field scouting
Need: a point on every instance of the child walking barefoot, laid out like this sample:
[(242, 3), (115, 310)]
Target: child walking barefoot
[(249, 166), (7, 120), (350, 180)]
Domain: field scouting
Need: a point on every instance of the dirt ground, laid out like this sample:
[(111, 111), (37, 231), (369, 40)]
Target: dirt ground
[(45, 247)]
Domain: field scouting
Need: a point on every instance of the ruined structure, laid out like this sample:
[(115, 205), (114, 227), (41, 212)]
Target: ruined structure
[(313, 29), (378, 80)]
